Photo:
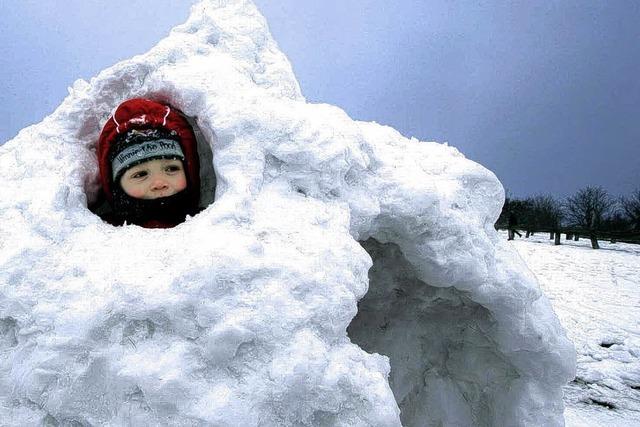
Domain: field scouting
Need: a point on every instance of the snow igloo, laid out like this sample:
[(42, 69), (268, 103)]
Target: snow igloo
[(341, 275)]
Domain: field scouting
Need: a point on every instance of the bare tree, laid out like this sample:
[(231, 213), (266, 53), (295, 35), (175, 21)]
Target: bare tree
[(514, 215), (548, 214), (587, 208), (631, 208)]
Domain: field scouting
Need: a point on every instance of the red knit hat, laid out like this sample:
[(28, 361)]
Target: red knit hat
[(143, 114)]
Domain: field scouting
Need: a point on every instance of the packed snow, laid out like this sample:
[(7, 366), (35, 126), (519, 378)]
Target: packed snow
[(596, 294), (344, 275)]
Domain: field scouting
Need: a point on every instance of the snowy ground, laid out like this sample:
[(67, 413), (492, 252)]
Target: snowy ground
[(596, 295)]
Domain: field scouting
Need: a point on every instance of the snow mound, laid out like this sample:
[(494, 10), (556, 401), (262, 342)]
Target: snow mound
[(320, 225)]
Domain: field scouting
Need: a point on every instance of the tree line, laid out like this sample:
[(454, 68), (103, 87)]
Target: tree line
[(591, 212)]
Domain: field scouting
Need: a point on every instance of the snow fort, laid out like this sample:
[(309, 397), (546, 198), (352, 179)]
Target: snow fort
[(341, 274)]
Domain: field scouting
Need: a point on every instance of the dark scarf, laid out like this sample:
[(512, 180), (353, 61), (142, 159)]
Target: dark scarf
[(152, 213)]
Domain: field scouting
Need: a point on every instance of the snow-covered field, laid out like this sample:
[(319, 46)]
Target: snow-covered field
[(596, 295)]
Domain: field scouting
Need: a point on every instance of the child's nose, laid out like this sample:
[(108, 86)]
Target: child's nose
[(159, 184)]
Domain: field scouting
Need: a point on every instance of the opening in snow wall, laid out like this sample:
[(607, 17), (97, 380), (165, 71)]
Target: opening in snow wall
[(264, 309), (444, 367), (97, 202)]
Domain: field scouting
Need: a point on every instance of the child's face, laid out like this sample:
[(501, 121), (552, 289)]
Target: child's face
[(153, 179)]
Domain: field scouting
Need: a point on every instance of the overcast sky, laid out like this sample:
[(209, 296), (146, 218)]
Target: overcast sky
[(544, 93)]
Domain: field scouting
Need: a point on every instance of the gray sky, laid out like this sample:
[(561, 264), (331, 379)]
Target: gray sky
[(544, 93)]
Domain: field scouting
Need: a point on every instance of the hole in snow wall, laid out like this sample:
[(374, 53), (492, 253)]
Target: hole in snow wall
[(205, 156), (208, 179), (445, 369)]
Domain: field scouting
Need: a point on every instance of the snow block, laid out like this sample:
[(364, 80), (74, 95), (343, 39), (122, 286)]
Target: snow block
[(344, 275)]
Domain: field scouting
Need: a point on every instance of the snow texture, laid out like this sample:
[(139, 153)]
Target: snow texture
[(596, 295), (239, 316)]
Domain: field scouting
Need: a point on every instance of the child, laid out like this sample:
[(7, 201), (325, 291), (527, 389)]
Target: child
[(149, 166)]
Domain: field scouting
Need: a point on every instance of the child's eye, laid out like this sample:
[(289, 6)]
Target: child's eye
[(172, 168), (140, 174)]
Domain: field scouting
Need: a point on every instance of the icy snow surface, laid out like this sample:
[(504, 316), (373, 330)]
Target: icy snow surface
[(597, 297), (242, 316)]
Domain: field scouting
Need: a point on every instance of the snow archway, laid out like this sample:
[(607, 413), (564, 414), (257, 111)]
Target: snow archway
[(445, 367), (239, 316)]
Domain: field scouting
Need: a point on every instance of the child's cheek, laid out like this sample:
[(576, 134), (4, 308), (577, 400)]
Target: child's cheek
[(136, 192), (181, 183)]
